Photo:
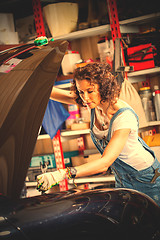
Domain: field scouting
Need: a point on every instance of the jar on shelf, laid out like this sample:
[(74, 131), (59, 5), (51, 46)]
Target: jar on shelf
[(156, 95), (147, 102), (74, 112)]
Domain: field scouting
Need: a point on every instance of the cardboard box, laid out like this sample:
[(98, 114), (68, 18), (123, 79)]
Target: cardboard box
[(80, 126), (44, 146), (70, 145)]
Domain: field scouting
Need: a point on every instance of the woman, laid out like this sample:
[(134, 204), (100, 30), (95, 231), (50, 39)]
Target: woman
[(114, 131)]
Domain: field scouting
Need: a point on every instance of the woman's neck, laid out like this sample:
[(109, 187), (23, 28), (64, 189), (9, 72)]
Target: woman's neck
[(111, 109)]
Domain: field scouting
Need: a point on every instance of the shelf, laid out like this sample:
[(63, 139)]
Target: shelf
[(150, 124), (141, 20), (73, 134), (139, 76), (107, 178), (64, 83), (64, 86), (89, 32), (70, 134), (153, 123), (144, 72), (126, 26), (67, 133), (43, 136)]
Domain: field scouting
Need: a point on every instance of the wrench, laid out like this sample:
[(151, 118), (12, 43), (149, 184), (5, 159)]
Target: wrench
[(156, 175)]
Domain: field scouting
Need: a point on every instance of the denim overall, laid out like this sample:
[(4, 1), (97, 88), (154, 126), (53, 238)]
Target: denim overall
[(125, 175)]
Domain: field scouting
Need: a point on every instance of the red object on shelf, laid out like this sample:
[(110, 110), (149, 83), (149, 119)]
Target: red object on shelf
[(37, 10), (81, 145), (141, 57), (86, 186), (154, 131), (59, 158), (147, 82)]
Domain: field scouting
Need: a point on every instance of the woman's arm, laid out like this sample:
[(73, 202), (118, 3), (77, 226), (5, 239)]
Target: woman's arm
[(47, 180), (112, 151), (63, 96)]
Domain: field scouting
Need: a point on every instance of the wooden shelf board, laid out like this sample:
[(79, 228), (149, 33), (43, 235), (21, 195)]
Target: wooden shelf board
[(144, 72)]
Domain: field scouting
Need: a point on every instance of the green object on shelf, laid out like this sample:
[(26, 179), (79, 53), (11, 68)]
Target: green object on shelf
[(41, 41)]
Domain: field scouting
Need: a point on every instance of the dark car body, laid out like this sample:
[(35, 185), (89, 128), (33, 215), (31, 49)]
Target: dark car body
[(75, 214)]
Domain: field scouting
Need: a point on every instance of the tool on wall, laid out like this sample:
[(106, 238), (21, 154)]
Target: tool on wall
[(119, 61)]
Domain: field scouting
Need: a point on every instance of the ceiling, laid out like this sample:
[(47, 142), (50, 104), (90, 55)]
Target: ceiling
[(126, 8)]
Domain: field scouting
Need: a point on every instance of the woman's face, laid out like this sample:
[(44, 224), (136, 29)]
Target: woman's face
[(89, 93)]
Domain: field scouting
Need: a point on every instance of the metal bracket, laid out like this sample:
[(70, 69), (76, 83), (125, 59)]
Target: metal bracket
[(38, 17)]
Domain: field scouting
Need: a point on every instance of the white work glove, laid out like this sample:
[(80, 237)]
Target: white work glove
[(46, 181)]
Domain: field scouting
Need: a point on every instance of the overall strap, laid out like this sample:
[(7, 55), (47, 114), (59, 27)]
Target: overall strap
[(92, 117)]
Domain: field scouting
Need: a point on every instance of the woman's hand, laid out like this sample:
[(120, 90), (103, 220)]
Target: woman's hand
[(63, 96), (48, 180)]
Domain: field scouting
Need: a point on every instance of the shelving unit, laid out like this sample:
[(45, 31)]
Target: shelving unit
[(126, 26)]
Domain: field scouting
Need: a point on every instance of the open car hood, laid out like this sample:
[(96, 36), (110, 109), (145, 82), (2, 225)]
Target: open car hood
[(24, 94)]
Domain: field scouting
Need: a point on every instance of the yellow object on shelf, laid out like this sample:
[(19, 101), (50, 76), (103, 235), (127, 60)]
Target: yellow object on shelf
[(153, 140), (80, 126)]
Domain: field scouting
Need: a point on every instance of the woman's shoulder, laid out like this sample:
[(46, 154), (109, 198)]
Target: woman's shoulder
[(126, 119)]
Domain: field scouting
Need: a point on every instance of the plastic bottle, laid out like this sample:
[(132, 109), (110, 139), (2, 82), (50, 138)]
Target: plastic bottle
[(156, 95), (147, 102)]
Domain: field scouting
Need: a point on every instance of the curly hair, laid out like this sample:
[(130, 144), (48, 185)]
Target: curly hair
[(98, 73)]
